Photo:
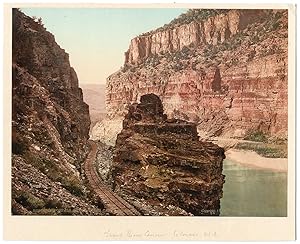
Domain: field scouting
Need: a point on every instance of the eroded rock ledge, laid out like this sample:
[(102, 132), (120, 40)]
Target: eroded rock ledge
[(162, 162)]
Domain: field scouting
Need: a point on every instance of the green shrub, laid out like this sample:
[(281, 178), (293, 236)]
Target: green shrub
[(194, 15), (73, 186), (18, 148), (278, 140), (275, 26), (265, 150), (28, 200), (257, 136), (46, 166), (53, 203)]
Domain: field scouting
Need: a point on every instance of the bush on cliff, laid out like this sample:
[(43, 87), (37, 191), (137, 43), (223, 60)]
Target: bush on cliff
[(55, 173), (28, 200), (257, 136)]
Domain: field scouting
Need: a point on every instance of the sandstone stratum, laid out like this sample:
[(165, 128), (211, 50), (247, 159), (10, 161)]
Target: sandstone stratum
[(225, 70), (161, 163)]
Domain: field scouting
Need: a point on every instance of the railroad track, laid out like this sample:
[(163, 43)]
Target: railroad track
[(111, 201)]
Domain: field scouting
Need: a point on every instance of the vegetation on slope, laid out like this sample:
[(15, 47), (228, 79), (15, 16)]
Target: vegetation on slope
[(188, 17)]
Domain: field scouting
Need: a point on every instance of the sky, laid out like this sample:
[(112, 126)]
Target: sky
[(96, 38)]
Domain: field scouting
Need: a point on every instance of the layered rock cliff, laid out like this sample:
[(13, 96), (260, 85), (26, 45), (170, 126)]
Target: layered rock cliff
[(50, 125), (226, 70), (161, 163), (199, 32)]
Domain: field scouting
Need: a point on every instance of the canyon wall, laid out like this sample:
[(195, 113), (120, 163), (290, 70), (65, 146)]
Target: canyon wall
[(226, 72), (50, 125)]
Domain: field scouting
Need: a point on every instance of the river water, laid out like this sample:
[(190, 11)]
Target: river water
[(253, 192)]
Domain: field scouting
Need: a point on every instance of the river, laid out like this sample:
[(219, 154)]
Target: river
[(253, 192)]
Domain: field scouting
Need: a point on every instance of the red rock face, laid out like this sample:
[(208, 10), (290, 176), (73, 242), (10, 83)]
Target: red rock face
[(227, 73)]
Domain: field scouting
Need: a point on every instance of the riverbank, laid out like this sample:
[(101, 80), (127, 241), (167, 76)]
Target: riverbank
[(243, 152), (253, 159)]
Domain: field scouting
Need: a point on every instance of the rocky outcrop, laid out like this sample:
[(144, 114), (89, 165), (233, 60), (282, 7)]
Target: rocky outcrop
[(163, 163), (35, 194), (50, 121), (107, 130), (229, 84)]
